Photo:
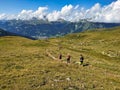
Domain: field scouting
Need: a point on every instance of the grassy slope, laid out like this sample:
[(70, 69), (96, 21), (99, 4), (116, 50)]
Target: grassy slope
[(24, 64)]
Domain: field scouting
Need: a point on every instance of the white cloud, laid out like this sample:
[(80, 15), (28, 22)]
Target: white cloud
[(111, 13), (55, 15), (108, 13), (29, 14), (64, 13), (66, 10), (25, 15), (2, 16), (40, 13), (77, 6)]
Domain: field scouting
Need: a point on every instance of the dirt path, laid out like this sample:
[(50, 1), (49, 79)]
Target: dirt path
[(50, 55)]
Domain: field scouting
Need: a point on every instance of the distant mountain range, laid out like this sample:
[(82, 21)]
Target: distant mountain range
[(36, 29), (7, 33)]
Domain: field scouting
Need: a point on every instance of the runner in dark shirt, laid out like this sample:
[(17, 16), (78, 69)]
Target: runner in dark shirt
[(81, 59), (68, 58)]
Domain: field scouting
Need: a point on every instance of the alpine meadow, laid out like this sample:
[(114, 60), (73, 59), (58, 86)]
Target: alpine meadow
[(27, 64)]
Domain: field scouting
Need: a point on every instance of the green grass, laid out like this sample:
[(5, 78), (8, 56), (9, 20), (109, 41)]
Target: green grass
[(24, 64)]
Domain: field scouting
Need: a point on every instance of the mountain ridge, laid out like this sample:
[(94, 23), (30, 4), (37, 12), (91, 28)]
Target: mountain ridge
[(43, 29), (7, 33)]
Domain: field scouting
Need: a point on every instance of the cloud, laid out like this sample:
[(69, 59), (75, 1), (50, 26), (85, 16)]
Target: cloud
[(66, 10), (109, 13), (40, 13), (64, 13), (2, 16), (25, 15), (97, 13), (29, 14), (55, 15)]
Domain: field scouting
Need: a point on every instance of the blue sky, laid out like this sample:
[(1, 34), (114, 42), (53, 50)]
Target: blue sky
[(53, 10), (15, 6)]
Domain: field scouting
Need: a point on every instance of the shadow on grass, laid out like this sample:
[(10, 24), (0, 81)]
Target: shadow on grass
[(86, 64)]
